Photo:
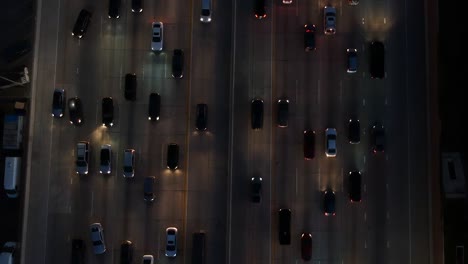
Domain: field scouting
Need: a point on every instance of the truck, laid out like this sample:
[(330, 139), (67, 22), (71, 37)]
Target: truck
[(12, 132)]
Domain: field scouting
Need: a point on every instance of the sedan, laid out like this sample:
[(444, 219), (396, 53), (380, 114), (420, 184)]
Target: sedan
[(97, 238), (58, 103), (126, 252), (329, 203), (172, 156), (306, 246), (148, 259), (260, 9), (106, 153), (171, 242), (283, 112), (329, 20), (107, 112), (157, 40), (352, 60), (129, 163), (257, 114), (378, 136), (202, 116), (354, 128), (309, 37), (355, 186), (154, 106), (309, 144), (330, 134), (178, 64), (137, 6), (256, 189), (75, 109)]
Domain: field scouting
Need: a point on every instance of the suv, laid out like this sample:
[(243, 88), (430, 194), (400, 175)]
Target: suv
[(130, 86), (58, 103), (82, 157), (257, 114), (329, 13), (354, 131), (154, 106), (137, 6), (284, 226), (309, 37), (352, 60), (97, 238), (78, 251), (202, 112), (355, 186), (309, 144), (256, 188), (126, 252), (148, 186), (81, 23), (330, 134), (283, 112), (114, 8), (172, 156), (107, 112), (75, 110), (178, 64), (129, 163), (106, 154), (377, 60)]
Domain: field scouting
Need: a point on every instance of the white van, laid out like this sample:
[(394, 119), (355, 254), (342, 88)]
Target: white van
[(6, 254), (12, 176), (205, 11)]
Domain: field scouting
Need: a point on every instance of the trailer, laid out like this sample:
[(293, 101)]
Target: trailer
[(13, 132)]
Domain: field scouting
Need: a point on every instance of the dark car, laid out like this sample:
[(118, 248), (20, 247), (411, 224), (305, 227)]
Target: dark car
[(352, 60), (75, 110), (329, 203), (309, 37), (259, 9), (172, 156), (114, 8), (377, 60), (355, 186), (257, 113), (81, 24), (178, 64), (306, 246), (16, 51), (154, 106), (284, 226), (78, 251), (58, 103), (309, 144), (283, 112), (202, 115), (148, 189), (256, 189), (137, 6), (378, 136), (126, 252), (130, 86), (107, 112), (354, 131)]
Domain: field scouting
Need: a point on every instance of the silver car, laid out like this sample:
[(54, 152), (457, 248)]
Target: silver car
[(171, 242), (97, 238), (129, 163), (330, 134), (157, 41), (82, 157), (329, 20)]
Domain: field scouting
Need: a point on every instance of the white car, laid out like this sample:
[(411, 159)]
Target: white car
[(148, 259), (287, 2), (330, 134), (157, 40), (97, 238), (329, 22), (171, 242)]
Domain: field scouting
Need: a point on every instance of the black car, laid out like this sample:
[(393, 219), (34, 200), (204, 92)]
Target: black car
[(377, 60), (178, 64), (107, 112), (329, 203), (259, 9), (114, 8), (283, 112), (130, 86), (58, 103), (81, 24), (355, 186), (172, 156), (284, 226), (256, 189), (309, 37), (309, 144), (306, 246), (148, 186), (126, 252), (154, 106), (78, 251), (137, 6), (378, 136), (202, 117), (354, 131), (257, 113), (75, 110)]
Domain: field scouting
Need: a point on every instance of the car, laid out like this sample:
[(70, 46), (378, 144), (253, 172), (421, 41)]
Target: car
[(97, 238), (257, 114), (8, 252), (309, 37), (378, 136), (259, 9), (107, 111), (355, 186), (377, 60), (329, 203), (287, 2), (284, 226), (353, 2), (82, 157), (157, 40), (283, 112), (58, 102), (126, 252), (130, 86), (172, 156), (114, 9), (154, 107), (137, 6), (78, 251), (171, 242), (82, 23), (148, 259), (129, 163), (205, 15), (75, 110), (330, 134), (106, 155), (329, 13), (306, 246), (148, 186), (178, 64), (202, 116), (354, 131), (352, 60), (309, 144), (256, 189)]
